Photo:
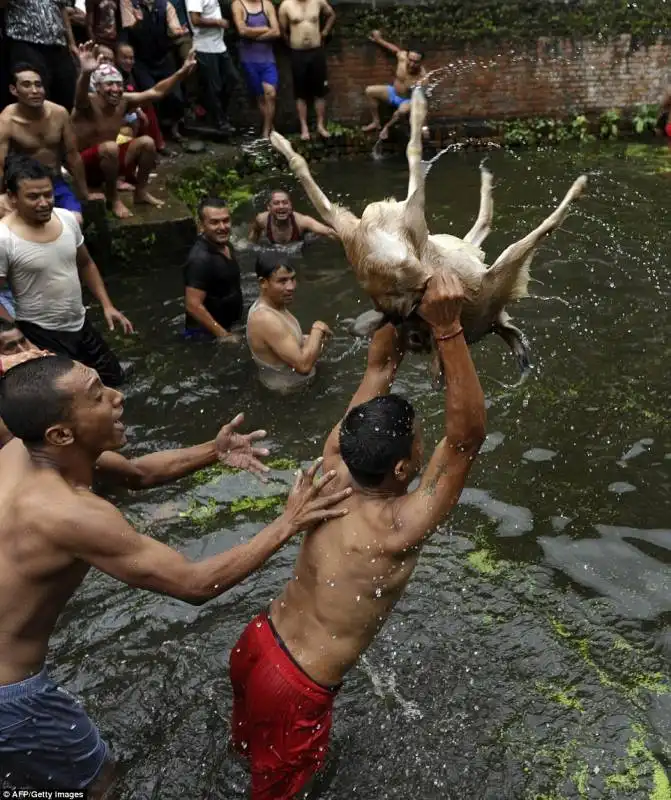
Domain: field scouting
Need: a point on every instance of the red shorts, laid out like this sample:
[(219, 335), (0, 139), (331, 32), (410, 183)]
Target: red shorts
[(281, 717), (94, 175)]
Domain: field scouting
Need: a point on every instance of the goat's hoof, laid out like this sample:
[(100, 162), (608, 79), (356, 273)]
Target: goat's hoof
[(281, 144), (578, 187)]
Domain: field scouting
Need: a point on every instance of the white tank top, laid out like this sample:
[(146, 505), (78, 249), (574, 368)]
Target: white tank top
[(282, 378)]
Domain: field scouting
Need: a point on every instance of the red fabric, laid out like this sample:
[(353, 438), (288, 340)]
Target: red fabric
[(667, 129), (152, 128), (94, 174), (281, 717)]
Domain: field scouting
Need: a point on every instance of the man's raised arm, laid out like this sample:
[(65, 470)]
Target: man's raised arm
[(385, 354), (93, 531), (164, 87), (465, 417), (376, 36)]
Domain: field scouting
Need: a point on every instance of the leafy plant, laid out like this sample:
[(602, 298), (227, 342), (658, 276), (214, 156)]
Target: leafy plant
[(211, 179), (645, 118), (609, 124), (579, 129)]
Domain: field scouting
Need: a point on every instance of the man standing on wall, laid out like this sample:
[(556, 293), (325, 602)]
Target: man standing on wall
[(41, 129), (300, 23), (409, 71), (215, 65)]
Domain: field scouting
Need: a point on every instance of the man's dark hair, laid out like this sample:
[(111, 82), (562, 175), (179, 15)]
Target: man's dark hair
[(278, 191), (7, 325), (210, 202), (24, 168), (375, 436), (30, 401), (23, 66), (413, 48), (269, 262)]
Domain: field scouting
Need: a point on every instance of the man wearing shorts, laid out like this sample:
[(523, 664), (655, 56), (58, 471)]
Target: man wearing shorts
[(290, 661), (257, 25), (44, 260), (99, 117), (67, 425), (39, 128), (300, 22), (409, 71)]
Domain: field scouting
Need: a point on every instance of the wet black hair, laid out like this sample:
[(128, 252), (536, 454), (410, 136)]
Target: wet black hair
[(30, 402), (375, 436), (210, 202), (23, 66), (412, 48), (271, 261), (23, 168), (7, 325), (279, 190)]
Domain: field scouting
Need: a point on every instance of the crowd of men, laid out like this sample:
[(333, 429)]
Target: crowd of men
[(96, 88)]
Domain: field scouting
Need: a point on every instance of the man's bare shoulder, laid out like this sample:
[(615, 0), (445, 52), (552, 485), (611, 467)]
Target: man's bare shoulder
[(56, 112), (8, 113), (262, 218)]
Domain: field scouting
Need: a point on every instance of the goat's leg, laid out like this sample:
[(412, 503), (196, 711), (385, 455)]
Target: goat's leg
[(480, 231), (508, 277), (414, 219), (298, 165)]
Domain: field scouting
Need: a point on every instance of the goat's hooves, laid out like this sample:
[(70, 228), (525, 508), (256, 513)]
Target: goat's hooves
[(578, 187), (281, 144), (484, 169)]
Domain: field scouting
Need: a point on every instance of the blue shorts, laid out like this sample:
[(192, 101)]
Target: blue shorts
[(64, 197), (395, 99), (258, 74), (46, 737), (7, 301)]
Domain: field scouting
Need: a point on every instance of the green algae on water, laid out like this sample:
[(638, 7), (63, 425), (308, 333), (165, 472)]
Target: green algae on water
[(565, 697), (201, 513), (256, 503), (483, 562)]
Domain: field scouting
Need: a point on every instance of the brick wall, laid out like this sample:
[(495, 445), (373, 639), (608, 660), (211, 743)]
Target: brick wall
[(552, 77)]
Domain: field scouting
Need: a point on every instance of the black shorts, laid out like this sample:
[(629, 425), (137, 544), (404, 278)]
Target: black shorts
[(85, 345), (308, 69)]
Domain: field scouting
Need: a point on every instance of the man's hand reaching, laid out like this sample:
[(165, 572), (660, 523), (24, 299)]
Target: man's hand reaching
[(386, 348), (307, 505), (237, 449), (441, 304)]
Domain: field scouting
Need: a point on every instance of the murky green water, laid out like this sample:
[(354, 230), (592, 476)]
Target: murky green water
[(530, 656)]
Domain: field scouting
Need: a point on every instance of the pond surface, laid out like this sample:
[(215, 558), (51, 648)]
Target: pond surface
[(530, 656)]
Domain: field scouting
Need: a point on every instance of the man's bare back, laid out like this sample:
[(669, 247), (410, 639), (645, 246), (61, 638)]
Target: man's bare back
[(304, 22), (41, 138), (38, 577)]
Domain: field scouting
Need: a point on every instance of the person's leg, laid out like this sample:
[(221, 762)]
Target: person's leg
[(64, 197), (108, 154), (139, 158), (402, 111), (319, 89), (268, 102), (229, 81), (63, 76), (208, 67), (94, 351), (298, 73), (320, 111), (62, 342), (375, 95)]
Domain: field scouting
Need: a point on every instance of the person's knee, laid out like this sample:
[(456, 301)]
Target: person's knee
[(370, 92), (269, 92), (109, 150), (146, 144)]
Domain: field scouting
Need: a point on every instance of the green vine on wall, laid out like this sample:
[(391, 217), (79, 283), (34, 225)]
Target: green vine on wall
[(514, 20)]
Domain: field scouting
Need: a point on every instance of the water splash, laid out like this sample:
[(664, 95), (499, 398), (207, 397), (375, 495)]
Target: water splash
[(384, 686)]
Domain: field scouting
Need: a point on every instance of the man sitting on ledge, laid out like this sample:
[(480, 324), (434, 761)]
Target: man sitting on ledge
[(98, 119), (285, 357)]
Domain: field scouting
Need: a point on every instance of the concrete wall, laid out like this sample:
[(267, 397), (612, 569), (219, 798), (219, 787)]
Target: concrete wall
[(549, 77)]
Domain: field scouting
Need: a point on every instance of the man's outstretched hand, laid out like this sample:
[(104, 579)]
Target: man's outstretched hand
[(307, 505), (237, 449)]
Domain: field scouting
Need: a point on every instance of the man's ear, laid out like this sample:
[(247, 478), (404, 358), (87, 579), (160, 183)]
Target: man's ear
[(59, 435)]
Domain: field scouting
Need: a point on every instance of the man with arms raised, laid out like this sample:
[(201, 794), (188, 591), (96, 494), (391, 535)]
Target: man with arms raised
[(285, 357), (39, 128), (288, 665), (409, 71), (43, 260), (282, 225), (54, 529), (300, 23), (97, 120)]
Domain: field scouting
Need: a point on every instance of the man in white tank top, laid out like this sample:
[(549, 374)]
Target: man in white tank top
[(285, 357)]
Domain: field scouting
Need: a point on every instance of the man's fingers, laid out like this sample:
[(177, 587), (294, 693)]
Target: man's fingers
[(260, 452), (298, 481), (313, 469), (326, 478), (332, 499), (327, 513), (235, 422), (256, 435)]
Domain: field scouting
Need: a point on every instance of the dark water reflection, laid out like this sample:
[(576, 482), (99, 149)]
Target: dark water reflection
[(530, 657)]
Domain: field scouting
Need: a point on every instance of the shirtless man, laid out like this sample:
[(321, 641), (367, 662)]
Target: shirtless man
[(54, 529), (288, 665), (282, 225), (39, 128), (409, 71), (99, 117), (300, 25), (285, 357)]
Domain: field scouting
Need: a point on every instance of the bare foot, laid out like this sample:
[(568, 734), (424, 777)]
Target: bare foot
[(119, 210), (305, 136), (384, 134), (374, 126), (96, 196), (143, 197), (321, 130), (124, 186)]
